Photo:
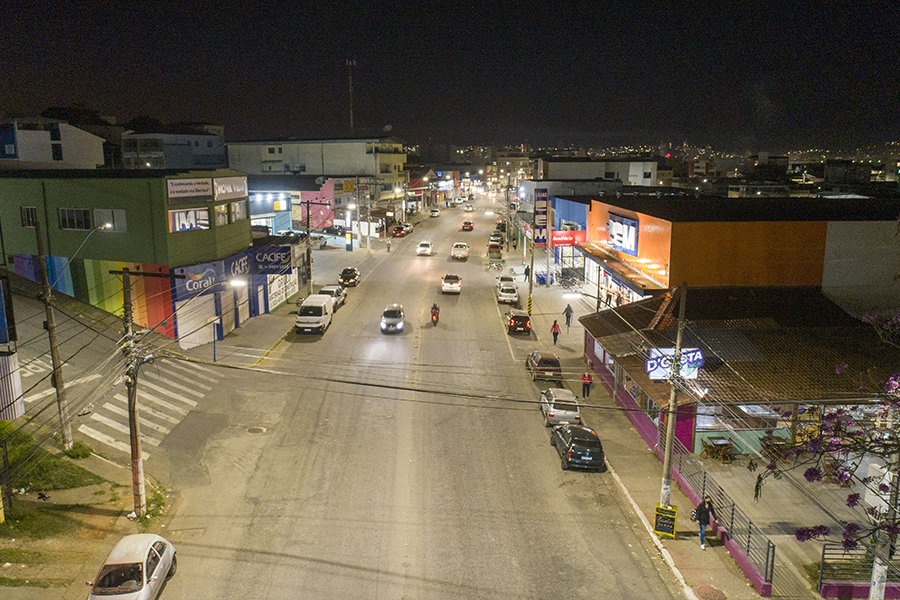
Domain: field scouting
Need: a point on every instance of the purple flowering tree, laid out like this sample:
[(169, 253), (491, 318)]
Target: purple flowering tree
[(842, 435)]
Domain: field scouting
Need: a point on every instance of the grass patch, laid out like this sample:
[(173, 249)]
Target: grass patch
[(79, 450), (38, 521), (16, 582), (156, 508), (18, 555), (35, 470), (812, 573)]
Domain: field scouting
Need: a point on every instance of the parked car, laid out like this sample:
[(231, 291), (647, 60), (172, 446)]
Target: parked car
[(318, 241), (578, 446), (451, 284), (349, 277), (468, 226), (392, 318), (505, 279), (469, 208), (496, 238), (314, 315), (424, 249), (543, 365), (407, 227), (517, 320), (338, 294), (458, 201), (501, 226), (460, 251), (136, 568), (335, 230), (559, 407), (435, 212), (507, 293), (398, 231)]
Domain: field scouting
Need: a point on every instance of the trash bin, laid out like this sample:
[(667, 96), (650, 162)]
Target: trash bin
[(541, 277)]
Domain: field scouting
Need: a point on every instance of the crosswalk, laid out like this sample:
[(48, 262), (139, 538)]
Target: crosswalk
[(166, 394)]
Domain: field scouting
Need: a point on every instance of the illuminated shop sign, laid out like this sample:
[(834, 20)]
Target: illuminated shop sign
[(623, 233), (272, 260), (541, 204), (183, 191), (658, 363), (562, 237), (228, 188)]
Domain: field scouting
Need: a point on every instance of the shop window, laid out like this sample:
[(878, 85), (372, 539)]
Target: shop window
[(29, 216), (238, 211), (221, 215), (75, 218), (188, 220), (116, 218), (648, 174), (271, 150)]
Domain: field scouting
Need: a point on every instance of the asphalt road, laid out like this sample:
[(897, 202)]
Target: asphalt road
[(414, 465)]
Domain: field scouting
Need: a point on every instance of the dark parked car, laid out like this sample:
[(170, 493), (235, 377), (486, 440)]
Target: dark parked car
[(518, 320), (335, 230), (468, 226), (544, 365), (349, 277), (578, 446)]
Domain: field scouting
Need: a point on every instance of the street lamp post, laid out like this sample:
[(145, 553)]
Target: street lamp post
[(57, 378)]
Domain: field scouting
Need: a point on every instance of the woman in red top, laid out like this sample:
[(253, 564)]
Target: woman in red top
[(555, 331)]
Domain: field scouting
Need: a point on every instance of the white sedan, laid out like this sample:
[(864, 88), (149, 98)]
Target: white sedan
[(435, 212), (508, 293), (136, 568), (451, 284), (424, 249)]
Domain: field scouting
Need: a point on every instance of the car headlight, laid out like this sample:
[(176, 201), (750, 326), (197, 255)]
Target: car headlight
[(400, 325), (383, 325)]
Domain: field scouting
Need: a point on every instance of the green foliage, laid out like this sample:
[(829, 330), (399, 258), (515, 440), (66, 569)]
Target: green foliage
[(15, 582), (812, 573), (20, 555), (156, 508), (39, 521), (36, 470), (79, 450)]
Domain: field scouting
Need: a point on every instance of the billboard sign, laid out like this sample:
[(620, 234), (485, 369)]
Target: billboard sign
[(272, 260), (229, 188), (199, 280), (623, 233), (567, 238), (186, 191), (238, 265), (541, 209), (658, 363)]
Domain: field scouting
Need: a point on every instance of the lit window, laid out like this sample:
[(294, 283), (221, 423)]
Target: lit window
[(187, 220), (221, 214), (238, 211), (115, 218)]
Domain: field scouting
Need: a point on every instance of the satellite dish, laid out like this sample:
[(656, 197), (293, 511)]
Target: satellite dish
[(387, 128)]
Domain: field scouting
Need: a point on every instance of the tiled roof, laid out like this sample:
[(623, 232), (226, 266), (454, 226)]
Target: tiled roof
[(761, 345)]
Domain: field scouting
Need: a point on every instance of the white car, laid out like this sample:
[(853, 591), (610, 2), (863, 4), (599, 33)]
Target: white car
[(424, 249), (136, 568), (337, 292), (392, 318), (508, 293), (460, 251), (451, 284), (458, 201), (510, 279), (435, 212)]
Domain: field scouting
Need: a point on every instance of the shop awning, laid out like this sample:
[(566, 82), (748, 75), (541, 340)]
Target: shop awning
[(620, 272)]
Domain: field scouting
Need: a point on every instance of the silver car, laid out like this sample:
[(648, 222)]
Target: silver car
[(392, 318), (136, 568), (337, 292), (559, 407), (508, 293)]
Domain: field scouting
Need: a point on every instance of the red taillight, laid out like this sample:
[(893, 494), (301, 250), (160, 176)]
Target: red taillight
[(512, 322), (569, 454), (528, 324), (577, 417), (551, 415)]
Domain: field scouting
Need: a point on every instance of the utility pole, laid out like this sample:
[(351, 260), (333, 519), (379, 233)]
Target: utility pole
[(665, 493), (882, 553), (131, 382), (350, 64), (57, 377), (309, 286)]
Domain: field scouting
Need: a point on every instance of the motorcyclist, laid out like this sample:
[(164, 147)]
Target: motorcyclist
[(435, 310)]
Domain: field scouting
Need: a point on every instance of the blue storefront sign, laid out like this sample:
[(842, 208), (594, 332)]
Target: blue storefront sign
[(623, 233), (272, 260), (541, 207), (199, 280), (239, 265)]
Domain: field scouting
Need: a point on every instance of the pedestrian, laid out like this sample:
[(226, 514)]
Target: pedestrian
[(387, 243), (704, 510), (527, 272), (618, 300), (515, 242), (568, 313), (586, 380), (555, 331)]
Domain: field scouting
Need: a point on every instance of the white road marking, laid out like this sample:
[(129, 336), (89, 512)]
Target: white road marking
[(145, 409), (122, 428), (164, 391), (109, 441), (46, 393), (144, 422)]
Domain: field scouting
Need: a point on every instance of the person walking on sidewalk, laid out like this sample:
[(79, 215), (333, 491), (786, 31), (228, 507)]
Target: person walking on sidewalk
[(704, 510), (387, 243), (568, 314), (555, 331), (586, 380), (527, 272)]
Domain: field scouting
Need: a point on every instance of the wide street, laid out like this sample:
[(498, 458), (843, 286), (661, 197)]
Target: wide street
[(414, 465)]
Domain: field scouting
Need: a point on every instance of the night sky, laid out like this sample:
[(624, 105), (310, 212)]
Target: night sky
[(751, 75)]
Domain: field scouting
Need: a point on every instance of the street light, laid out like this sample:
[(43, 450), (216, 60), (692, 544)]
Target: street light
[(57, 380)]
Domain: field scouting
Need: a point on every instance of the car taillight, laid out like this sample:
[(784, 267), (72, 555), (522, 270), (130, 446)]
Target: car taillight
[(551, 414), (512, 322), (577, 417), (568, 454), (528, 324)]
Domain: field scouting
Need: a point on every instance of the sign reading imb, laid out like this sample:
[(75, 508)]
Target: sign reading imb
[(664, 523)]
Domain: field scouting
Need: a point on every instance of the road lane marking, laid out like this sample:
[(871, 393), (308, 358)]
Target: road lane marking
[(46, 393), (109, 441), (146, 409), (144, 422), (166, 392), (123, 428)]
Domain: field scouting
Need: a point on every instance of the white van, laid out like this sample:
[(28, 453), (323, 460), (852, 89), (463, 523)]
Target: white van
[(314, 314)]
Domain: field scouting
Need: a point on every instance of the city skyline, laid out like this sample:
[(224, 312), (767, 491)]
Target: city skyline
[(766, 77)]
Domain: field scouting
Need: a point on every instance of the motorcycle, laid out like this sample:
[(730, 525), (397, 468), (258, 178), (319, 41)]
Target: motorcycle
[(434, 315)]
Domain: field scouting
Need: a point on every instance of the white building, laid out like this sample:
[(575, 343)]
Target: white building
[(47, 144), (629, 172)]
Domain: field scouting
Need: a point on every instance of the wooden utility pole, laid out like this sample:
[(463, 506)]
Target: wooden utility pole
[(665, 493), (131, 380), (57, 377)]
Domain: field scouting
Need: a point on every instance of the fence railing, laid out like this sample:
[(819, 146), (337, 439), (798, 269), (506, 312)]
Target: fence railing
[(852, 565), (759, 549)]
